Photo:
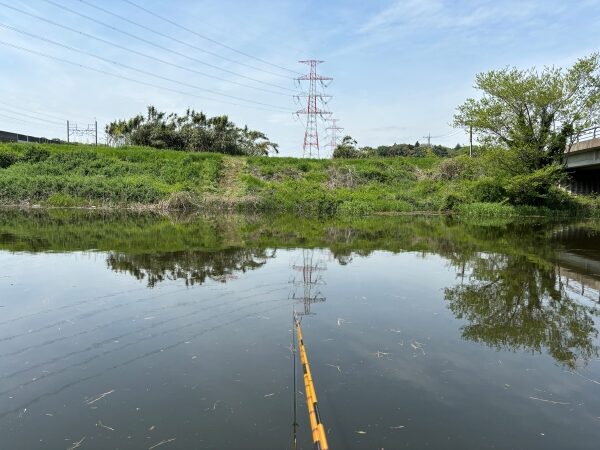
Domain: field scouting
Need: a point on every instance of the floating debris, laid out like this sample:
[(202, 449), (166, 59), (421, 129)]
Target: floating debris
[(100, 397), (166, 441), (337, 367), (416, 345), (549, 401), (77, 444), (106, 427)]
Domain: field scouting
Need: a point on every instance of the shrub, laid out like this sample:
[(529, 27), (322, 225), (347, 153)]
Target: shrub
[(451, 202), (63, 200), (7, 159), (356, 208), (489, 190), (35, 154), (451, 169), (536, 188), (346, 152), (181, 201)]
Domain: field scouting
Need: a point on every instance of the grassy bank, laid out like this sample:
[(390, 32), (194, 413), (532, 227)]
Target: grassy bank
[(145, 178)]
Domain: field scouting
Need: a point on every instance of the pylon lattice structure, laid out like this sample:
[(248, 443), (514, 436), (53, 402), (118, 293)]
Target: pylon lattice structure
[(315, 100), (89, 131), (334, 130), (311, 279)]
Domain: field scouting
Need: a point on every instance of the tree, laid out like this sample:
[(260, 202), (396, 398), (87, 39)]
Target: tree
[(193, 132), (347, 149), (537, 113)]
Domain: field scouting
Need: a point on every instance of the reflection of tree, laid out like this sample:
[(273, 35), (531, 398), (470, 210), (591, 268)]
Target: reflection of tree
[(514, 303), (192, 266)]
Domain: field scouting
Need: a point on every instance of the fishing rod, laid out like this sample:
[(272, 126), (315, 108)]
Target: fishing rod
[(318, 430), (293, 347)]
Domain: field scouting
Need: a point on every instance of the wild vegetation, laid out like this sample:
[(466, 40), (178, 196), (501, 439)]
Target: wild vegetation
[(348, 149), (192, 132), (524, 121), (142, 177)]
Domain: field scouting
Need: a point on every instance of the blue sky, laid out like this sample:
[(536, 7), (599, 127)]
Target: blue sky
[(400, 68)]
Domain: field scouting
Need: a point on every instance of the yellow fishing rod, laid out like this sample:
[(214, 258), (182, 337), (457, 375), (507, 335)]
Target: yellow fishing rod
[(318, 430)]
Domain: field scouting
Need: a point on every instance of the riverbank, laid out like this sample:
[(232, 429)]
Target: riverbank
[(141, 178)]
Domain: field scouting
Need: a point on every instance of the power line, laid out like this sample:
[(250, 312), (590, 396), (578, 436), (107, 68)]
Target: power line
[(123, 77), (126, 33), (31, 117), (62, 119), (26, 121), (214, 41), (74, 30), (126, 66), (141, 54), (179, 41)]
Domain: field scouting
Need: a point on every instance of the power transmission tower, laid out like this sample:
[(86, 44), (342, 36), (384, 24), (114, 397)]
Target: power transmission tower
[(313, 112), (311, 279), (428, 137), (334, 129), (90, 130)]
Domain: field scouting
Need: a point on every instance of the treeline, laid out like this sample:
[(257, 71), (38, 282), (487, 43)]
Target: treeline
[(348, 149), (192, 132)]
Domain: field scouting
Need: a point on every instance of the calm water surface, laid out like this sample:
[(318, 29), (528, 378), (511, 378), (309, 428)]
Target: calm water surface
[(121, 332)]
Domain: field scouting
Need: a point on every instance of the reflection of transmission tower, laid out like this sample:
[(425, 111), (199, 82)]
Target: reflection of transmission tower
[(311, 279), (313, 111), (90, 129)]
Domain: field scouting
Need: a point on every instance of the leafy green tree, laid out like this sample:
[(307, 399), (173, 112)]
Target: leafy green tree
[(193, 132), (347, 149), (537, 113)]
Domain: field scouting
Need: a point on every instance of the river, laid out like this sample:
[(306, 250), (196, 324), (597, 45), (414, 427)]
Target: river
[(123, 331)]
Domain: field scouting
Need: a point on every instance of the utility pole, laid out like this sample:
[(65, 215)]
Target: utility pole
[(313, 112), (96, 130), (68, 131), (470, 141), (334, 129)]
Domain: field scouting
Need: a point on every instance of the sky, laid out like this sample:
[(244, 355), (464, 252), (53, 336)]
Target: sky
[(400, 68)]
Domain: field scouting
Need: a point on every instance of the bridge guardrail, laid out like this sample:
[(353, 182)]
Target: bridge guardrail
[(589, 134)]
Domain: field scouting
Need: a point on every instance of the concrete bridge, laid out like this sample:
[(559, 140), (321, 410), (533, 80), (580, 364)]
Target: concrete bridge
[(583, 163)]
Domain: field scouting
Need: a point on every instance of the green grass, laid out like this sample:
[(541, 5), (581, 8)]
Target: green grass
[(69, 175), (81, 175)]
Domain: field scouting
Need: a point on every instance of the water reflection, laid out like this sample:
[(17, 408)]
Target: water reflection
[(310, 270), (511, 302), (193, 267), (528, 285)]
